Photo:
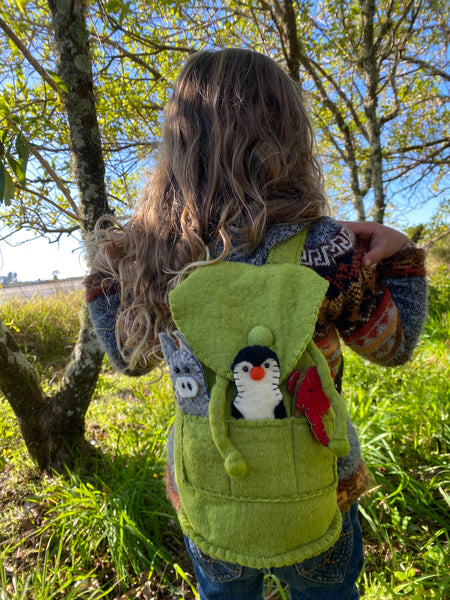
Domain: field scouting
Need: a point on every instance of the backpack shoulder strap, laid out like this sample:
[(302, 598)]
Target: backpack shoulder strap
[(290, 250)]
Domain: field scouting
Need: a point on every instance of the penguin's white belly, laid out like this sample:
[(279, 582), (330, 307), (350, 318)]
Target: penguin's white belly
[(257, 400)]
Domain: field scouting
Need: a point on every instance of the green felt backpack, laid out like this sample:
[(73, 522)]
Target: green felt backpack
[(258, 490)]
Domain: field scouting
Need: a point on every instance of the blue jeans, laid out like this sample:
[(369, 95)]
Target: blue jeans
[(331, 575)]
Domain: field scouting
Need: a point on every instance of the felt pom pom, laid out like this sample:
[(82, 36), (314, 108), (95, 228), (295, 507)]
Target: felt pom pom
[(235, 465), (257, 373), (260, 336)]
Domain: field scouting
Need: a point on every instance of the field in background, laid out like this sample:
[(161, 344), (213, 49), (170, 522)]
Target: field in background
[(27, 291)]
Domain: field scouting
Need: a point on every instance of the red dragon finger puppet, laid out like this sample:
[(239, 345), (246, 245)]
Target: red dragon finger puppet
[(310, 400)]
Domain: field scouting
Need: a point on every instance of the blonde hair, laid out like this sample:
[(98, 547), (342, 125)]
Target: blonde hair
[(236, 157)]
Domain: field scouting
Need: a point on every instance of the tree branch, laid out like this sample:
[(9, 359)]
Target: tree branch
[(47, 166), (68, 213), (341, 95), (426, 66), (28, 56), (133, 57), (293, 49), (445, 143), (436, 239)]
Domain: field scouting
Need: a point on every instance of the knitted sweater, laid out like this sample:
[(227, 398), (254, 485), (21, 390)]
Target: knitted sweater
[(378, 312)]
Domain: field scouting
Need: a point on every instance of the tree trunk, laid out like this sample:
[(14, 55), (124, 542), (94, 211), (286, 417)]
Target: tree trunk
[(371, 68), (21, 387), (75, 69), (53, 427)]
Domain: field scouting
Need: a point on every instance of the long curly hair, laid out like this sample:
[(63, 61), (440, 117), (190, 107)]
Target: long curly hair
[(236, 157)]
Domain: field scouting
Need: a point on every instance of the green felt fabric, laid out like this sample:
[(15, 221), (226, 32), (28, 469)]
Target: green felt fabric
[(261, 493), (218, 306), (282, 511)]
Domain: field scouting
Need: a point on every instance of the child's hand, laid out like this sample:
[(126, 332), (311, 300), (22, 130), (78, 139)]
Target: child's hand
[(376, 240)]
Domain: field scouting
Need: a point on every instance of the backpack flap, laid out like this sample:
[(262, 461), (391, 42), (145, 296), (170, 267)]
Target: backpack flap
[(218, 305), (224, 307)]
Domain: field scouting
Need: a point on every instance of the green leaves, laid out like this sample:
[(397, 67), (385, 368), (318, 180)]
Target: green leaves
[(21, 5), (118, 7), (17, 163), (6, 186), (137, 50), (59, 82), (20, 166)]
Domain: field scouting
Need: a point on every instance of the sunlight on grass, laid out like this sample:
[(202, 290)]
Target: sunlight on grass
[(46, 329), (403, 417)]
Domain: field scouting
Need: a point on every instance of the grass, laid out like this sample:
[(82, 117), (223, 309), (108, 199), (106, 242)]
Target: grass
[(106, 529), (403, 419), (46, 328)]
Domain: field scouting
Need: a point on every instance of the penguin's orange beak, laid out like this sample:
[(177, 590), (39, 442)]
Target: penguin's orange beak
[(257, 373)]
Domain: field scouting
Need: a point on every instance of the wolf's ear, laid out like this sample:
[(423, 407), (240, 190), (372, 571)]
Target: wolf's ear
[(183, 342), (168, 346)]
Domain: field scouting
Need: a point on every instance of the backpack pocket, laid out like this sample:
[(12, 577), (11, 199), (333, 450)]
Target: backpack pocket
[(282, 511)]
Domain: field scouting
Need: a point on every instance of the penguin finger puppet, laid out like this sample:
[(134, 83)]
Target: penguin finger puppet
[(256, 373), (186, 374)]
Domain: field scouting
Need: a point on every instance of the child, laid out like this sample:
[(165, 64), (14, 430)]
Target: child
[(235, 177)]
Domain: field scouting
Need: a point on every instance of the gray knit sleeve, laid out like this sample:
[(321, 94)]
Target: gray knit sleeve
[(404, 275), (103, 302)]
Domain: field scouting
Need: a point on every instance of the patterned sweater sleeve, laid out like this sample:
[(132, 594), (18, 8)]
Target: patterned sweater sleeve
[(378, 312), (103, 299)]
